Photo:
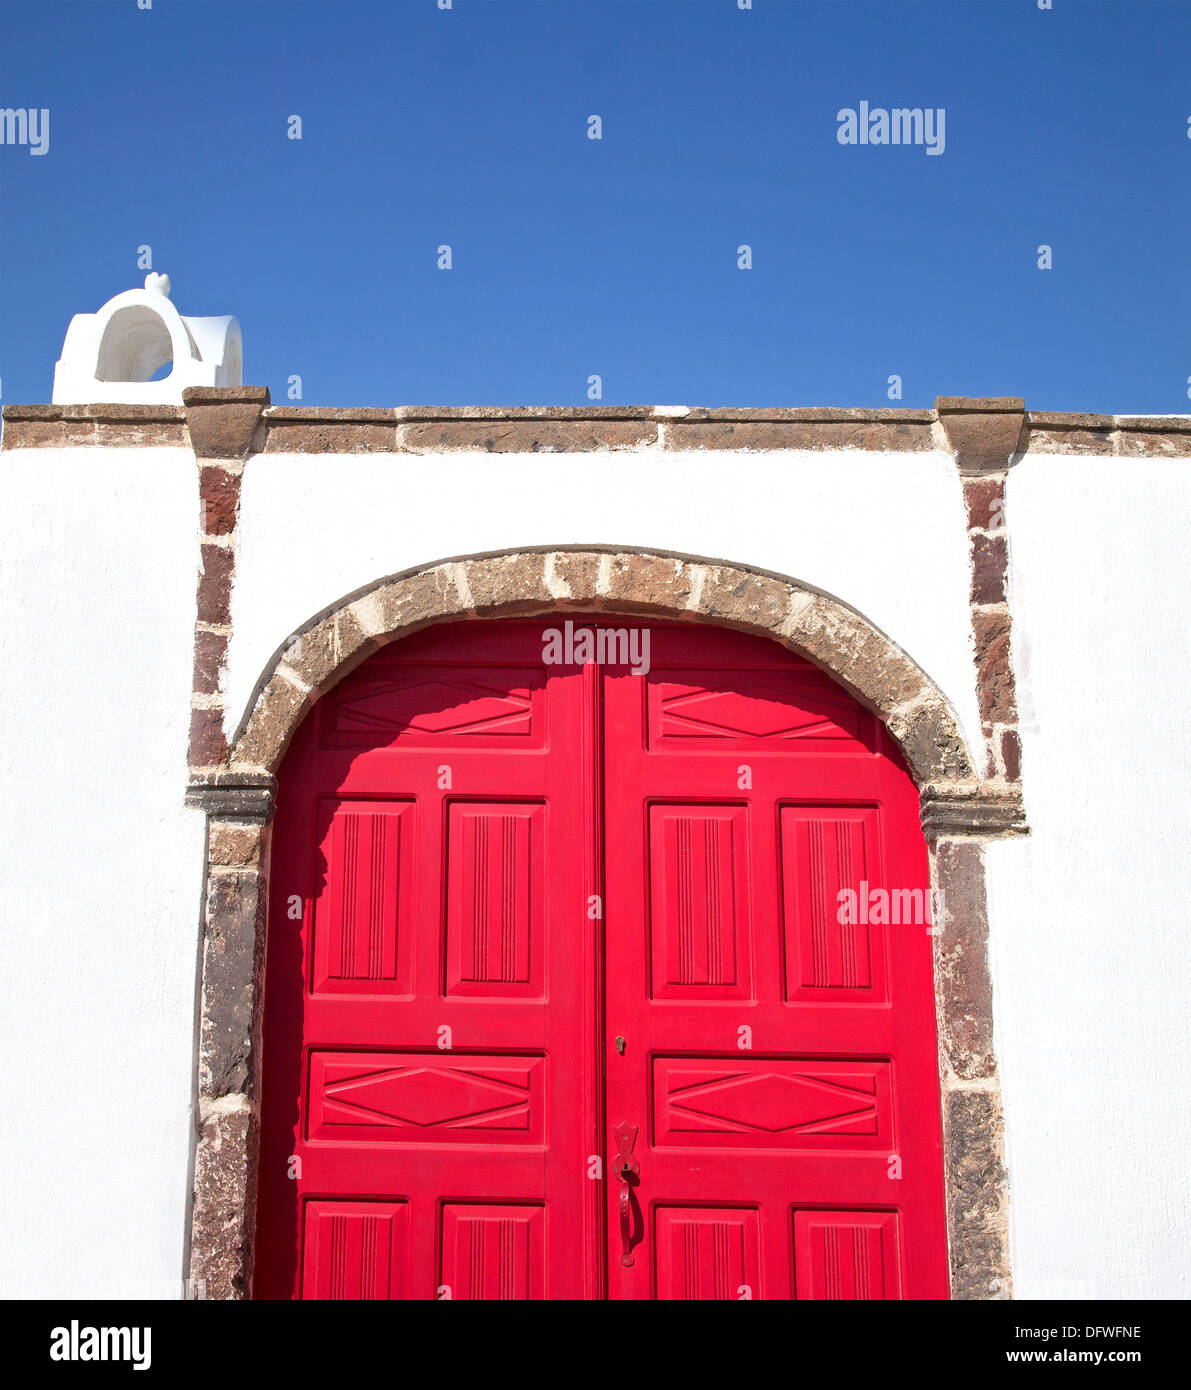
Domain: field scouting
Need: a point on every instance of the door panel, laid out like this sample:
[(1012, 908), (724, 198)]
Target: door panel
[(847, 1255), (706, 1252), (493, 1251), (701, 941), (515, 906), (780, 1062), (356, 1250), (424, 1017)]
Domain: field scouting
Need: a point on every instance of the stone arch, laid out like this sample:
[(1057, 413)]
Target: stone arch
[(959, 811), (827, 631)]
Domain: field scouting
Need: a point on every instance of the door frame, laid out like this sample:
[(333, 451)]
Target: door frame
[(961, 810)]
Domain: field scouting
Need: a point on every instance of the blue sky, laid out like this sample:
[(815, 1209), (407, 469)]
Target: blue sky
[(616, 257)]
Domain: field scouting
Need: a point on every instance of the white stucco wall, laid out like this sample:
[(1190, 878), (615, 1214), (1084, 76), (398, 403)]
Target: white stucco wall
[(102, 869), (1090, 915), (882, 531), (102, 880), (1091, 990)]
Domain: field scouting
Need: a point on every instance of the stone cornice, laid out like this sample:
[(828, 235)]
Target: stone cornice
[(983, 434)]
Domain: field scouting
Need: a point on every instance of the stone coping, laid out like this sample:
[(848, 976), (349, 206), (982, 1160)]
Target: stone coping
[(568, 429)]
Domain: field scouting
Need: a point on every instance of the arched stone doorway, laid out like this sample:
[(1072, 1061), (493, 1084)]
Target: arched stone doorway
[(958, 811)]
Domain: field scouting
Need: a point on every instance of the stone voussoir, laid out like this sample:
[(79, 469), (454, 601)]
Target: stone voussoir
[(578, 577), (508, 585), (647, 584), (414, 600), (274, 718), (857, 655), (931, 741), (750, 602), (318, 654)]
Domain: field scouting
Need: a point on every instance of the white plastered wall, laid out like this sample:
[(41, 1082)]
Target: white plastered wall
[(102, 901), (97, 574), (102, 869), (1090, 915), (885, 532)]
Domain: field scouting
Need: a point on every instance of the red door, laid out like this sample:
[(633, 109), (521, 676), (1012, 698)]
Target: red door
[(779, 1064), (430, 846), (536, 929)]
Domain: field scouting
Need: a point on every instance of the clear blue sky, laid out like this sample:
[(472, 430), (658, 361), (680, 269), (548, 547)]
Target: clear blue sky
[(615, 257)]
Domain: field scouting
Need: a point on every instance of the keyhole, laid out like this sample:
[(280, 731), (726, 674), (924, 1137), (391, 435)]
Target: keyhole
[(620, 1045)]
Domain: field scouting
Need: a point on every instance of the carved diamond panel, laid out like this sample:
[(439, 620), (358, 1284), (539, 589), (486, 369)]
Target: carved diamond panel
[(754, 711), (411, 1098), (772, 1103), (431, 706)]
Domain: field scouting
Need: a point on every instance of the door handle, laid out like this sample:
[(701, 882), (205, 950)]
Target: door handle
[(627, 1169)]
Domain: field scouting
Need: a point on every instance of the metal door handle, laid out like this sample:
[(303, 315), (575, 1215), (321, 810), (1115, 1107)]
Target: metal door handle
[(626, 1168)]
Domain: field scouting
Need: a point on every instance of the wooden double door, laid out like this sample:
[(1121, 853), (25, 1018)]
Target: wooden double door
[(579, 983)]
